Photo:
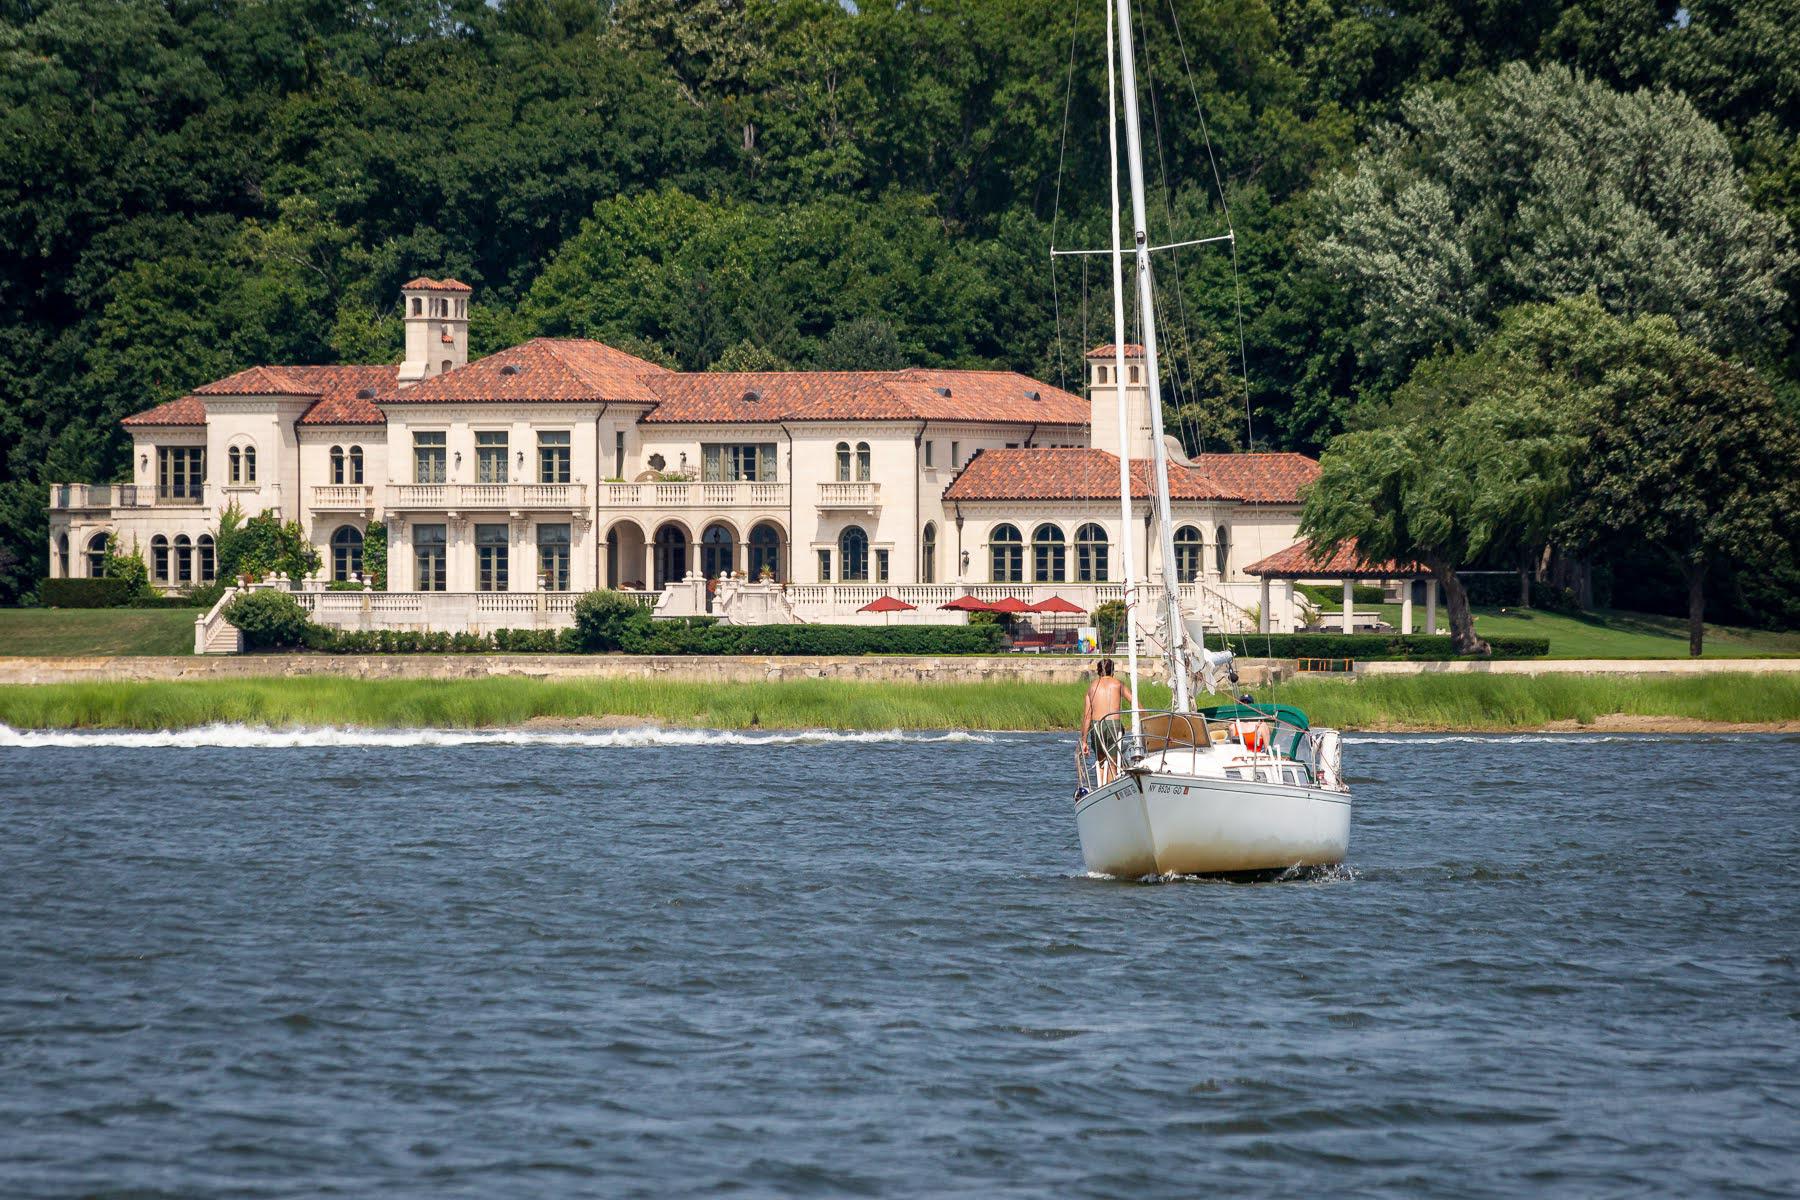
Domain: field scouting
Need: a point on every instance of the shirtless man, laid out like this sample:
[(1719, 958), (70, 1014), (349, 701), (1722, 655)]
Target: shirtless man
[(1101, 732)]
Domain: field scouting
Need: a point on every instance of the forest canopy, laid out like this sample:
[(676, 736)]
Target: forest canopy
[(188, 188)]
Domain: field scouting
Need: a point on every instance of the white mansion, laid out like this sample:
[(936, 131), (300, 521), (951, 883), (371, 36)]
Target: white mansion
[(557, 466)]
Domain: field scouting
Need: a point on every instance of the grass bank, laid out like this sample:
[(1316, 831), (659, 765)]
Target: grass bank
[(1409, 702), (67, 631), (1609, 633)]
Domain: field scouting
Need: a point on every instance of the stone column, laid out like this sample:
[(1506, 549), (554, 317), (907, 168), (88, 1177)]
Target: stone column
[(1406, 606), (1263, 623), (694, 559), (1349, 606), (1431, 597), (649, 565)]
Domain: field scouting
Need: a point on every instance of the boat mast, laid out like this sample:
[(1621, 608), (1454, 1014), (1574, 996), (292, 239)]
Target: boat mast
[(1134, 157), (1124, 447)]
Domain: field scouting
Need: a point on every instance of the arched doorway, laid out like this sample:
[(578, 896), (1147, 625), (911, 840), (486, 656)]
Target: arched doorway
[(346, 554), (765, 552), (625, 561), (96, 556), (671, 556), (718, 551)]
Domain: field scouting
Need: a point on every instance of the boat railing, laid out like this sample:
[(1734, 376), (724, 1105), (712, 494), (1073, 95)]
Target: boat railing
[(1158, 731)]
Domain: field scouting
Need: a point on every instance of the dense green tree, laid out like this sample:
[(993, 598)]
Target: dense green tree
[(1532, 185)]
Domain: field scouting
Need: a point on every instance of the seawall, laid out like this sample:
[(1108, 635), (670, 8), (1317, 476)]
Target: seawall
[(758, 669)]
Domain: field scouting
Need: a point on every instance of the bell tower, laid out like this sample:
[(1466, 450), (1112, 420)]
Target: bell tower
[(1103, 400), (436, 312)]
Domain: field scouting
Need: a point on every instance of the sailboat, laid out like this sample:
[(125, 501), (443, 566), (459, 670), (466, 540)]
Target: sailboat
[(1237, 787)]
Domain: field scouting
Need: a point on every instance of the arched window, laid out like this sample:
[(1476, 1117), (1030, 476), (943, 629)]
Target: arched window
[(1049, 555), (446, 369), (234, 459), (184, 559), (718, 551), (853, 555), (337, 464), (928, 554), (62, 555), (1189, 550), (356, 472), (346, 553), (1090, 554), (862, 462), (249, 464), (1222, 551), (96, 556), (209, 563), (671, 560), (765, 552), (1007, 551), (843, 462), (159, 558)]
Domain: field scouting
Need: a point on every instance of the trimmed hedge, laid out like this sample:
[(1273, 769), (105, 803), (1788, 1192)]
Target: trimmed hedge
[(1326, 593), (84, 593), (1373, 647), (666, 637)]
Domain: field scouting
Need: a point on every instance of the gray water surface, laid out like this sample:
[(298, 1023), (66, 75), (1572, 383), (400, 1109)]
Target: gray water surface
[(235, 964)]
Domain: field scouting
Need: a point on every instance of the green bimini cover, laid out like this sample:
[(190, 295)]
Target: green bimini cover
[(1244, 712)]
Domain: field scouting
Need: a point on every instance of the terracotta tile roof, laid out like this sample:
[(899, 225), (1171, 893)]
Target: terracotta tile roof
[(1302, 561), (336, 391), (1132, 350), (914, 394), (189, 410), (256, 381), (543, 369), (426, 284), (1070, 474), (339, 390), (1261, 478)]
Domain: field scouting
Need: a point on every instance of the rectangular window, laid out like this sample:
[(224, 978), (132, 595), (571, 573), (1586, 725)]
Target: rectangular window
[(553, 456), (956, 454), (180, 474), (490, 456), (881, 566), (928, 446), (428, 457), (430, 546), (490, 558), (725, 463), (553, 557), (824, 566), (619, 454)]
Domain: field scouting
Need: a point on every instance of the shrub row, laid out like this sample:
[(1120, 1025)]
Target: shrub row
[(606, 621), (1333, 593), (407, 641), (1370, 647), (84, 593)]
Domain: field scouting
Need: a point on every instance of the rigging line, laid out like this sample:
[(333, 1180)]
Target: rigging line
[(1167, 189), (1062, 152), (1237, 278)]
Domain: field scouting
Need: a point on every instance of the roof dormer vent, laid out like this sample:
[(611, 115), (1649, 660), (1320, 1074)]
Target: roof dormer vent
[(942, 391), (1034, 394), (509, 369), (365, 394), (751, 396)]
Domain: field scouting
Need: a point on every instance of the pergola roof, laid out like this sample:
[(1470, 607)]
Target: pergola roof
[(1303, 561)]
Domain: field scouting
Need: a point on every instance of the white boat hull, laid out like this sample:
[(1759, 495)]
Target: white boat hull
[(1150, 822)]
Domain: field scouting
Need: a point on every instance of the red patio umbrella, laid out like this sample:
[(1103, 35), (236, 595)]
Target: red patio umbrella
[(1011, 604), (1056, 604), (969, 604), (887, 604)]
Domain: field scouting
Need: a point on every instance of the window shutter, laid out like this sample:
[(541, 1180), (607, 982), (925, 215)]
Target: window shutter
[(765, 462), (710, 471)]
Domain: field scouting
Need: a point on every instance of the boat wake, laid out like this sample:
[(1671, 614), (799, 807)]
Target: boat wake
[(1339, 873), (256, 737)]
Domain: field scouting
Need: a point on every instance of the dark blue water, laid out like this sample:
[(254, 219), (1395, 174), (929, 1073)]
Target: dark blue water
[(876, 968)]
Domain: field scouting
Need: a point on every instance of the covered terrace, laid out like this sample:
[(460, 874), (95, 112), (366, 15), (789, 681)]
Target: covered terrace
[(1303, 562)]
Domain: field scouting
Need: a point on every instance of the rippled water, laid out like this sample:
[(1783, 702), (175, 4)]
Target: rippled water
[(236, 964)]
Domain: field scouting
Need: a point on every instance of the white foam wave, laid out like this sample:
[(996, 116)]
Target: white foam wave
[(253, 737)]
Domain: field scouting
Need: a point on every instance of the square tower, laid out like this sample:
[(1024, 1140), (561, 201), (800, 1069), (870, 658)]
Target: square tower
[(436, 312), (1103, 400)]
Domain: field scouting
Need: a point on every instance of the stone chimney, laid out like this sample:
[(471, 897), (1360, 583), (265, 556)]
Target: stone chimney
[(1103, 400), (436, 312)]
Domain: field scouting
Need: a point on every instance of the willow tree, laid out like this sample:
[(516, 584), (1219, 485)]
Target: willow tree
[(1444, 487)]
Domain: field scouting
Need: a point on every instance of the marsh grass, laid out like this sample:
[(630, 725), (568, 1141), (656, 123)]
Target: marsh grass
[(1419, 702)]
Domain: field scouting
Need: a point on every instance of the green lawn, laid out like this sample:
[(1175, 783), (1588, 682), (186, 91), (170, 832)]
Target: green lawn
[(46, 631), (1606, 634)]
